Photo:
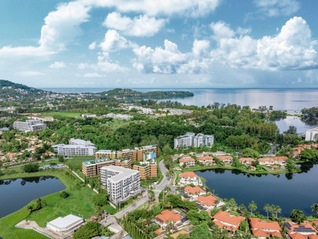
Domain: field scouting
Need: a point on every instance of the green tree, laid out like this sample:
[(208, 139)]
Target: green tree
[(314, 208), (297, 216), (31, 168), (89, 230), (267, 208), (100, 199), (252, 206), (201, 231)]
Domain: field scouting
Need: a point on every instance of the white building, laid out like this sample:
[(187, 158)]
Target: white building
[(121, 183), (65, 224), (76, 147), (29, 125), (312, 134), (192, 140)]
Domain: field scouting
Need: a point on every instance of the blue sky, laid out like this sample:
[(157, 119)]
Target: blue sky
[(151, 43)]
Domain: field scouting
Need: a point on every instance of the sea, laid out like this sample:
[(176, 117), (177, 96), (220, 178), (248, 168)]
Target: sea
[(290, 100)]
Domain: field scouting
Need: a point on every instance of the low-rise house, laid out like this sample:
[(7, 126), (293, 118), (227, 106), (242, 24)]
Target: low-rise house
[(169, 216), (246, 161), (226, 159), (188, 162), (206, 160), (207, 202), (301, 231), (194, 192), (265, 229), (270, 161), (189, 178), (224, 220)]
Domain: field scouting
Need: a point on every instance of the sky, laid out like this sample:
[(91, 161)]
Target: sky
[(160, 44)]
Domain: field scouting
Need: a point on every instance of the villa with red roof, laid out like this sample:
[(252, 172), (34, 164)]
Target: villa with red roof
[(194, 192), (226, 159), (224, 220), (169, 216), (280, 160), (189, 178), (246, 161), (265, 229), (189, 162), (207, 202), (301, 231), (206, 160)]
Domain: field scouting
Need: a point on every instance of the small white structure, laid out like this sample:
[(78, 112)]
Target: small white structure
[(312, 134), (65, 224)]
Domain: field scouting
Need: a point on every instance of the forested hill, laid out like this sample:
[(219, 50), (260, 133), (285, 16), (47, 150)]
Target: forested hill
[(12, 90), (128, 93)]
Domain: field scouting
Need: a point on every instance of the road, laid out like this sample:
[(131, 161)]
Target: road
[(165, 180)]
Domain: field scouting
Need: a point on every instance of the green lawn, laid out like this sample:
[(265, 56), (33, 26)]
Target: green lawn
[(80, 203), (63, 114)]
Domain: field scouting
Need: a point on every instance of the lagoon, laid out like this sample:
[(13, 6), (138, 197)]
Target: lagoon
[(296, 191), (16, 193)]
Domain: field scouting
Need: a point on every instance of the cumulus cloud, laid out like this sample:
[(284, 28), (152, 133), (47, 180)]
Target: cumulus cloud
[(57, 65), (138, 26), (291, 49), (113, 41), (169, 60), (104, 64), (200, 47), (275, 8), (92, 46), (192, 8)]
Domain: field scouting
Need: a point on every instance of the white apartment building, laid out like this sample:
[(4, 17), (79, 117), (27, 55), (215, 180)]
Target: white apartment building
[(312, 134), (76, 147), (121, 183), (192, 140), (29, 125)]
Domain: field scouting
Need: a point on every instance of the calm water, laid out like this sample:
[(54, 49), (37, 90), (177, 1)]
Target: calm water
[(292, 100), (298, 191), (16, 193), (284, 124)]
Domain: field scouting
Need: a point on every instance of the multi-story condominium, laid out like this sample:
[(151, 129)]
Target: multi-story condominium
[(187, 178), (29, 125), (146, 170), (312, 134), (192, 140), (76, 147), (92, 168), (121, 183), (137, 154)]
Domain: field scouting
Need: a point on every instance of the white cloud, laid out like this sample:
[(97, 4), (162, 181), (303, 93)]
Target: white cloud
[(104, 64), (169, 60), (221, 30), (277, 7), (200, 47), (292, 49), (192, 8), (92, 46), (91, 75), (30, 73), (138, 26), (113, 41), (57, 65)]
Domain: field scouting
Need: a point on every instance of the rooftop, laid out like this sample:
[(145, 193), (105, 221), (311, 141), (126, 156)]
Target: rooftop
[(121, 172), (188, 175), (169, 215)]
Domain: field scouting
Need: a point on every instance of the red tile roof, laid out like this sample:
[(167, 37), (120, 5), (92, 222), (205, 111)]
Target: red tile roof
[(193, 190), (260, 228), (225, 157), (246, 160), (231, 223), (205, 158), (188, 175), (169, 215), (185, 160), (207, 200), (273, 159)]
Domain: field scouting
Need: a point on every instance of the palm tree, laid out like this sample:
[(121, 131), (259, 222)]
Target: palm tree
[(267, 208), (276, 209), (297, 216), (314, 208), (252, 206)]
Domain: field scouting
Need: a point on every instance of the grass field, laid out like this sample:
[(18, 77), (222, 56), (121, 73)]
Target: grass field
[(62, 114), (80, 203)]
